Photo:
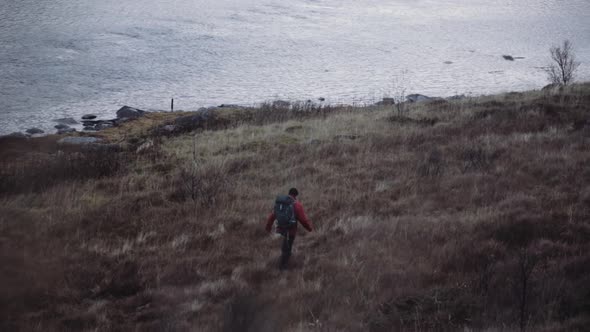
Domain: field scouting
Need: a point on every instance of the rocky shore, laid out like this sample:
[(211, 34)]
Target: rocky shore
[(89, 123)]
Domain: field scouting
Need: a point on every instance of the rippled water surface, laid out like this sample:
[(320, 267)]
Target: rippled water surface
[(63, 58)]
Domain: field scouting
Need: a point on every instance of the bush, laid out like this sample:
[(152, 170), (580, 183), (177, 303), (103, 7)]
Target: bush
[(43, 171)]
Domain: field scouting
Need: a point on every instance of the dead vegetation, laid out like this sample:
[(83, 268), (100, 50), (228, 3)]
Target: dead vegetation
[(474, 216)]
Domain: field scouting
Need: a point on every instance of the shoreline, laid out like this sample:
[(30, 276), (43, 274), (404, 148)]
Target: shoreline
[(77, 125)]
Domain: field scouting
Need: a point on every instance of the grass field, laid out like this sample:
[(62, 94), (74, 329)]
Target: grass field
[(471, 214)]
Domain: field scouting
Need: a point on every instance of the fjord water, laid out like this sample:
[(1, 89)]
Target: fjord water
[(62, 58)]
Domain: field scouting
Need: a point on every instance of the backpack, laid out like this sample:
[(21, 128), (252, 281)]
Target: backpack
[(285, 211)]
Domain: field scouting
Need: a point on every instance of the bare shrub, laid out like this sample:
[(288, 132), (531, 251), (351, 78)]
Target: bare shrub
[(563, 69), (200, 183), (400, 84)]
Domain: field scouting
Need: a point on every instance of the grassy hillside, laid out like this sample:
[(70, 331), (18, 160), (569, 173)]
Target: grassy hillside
[(472, 214)]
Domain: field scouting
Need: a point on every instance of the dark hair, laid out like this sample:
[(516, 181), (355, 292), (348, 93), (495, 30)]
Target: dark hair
[(293, 192)]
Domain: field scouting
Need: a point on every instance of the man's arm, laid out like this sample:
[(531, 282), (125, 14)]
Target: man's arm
[(269, 221), (300, 215)]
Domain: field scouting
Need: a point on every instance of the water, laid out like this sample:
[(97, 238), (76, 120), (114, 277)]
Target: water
[(62, 58)]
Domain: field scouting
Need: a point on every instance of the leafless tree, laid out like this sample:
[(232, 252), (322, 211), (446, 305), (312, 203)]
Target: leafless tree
[(398, 89), (563, 68)]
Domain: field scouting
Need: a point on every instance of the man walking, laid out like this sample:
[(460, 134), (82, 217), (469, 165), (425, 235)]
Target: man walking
[(288, 212)]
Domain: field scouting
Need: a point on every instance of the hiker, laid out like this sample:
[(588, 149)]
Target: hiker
[(287, 212)]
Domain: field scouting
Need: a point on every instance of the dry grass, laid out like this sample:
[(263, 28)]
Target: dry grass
[(463, 215)]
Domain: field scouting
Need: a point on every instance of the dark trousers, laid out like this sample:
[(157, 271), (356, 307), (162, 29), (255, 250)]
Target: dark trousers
[(286, 249)]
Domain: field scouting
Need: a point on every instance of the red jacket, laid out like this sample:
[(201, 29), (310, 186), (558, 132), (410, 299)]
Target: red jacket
[(299, 215)]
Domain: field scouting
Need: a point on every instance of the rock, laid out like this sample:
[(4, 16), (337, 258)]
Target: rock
[(95, 125), (61, 126), (387, 101), (88, 117), (414, 98), (104, 125), (66, 130), (145, 147), (190, 122), (129, 112), (121, 120), (66, 121), (322, 99), (79, 140), (508, 57), (33, 131)]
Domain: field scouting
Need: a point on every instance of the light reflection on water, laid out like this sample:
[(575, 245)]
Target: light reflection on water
[(66, 58)]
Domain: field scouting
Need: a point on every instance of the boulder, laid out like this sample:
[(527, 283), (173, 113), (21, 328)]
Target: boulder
[(387, 101), (34, 131), (104, 125), (129, 112), (414, 98), (66, 121), (98, 124), (88, 117), (190, 122), (66, 130), (61, 126), (121, 120), (508, 57), (79, 140), (322, 99)]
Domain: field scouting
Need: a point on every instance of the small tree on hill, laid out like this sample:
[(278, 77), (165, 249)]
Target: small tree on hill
[(563, 68)]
